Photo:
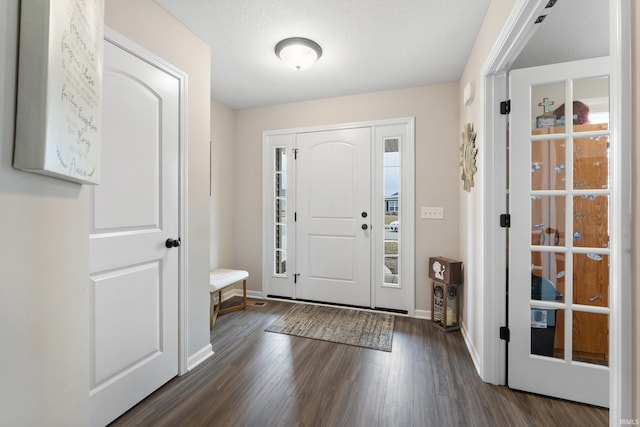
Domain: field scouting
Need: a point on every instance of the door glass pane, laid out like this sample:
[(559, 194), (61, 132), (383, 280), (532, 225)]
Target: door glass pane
[(548, 220), (281, 210), (590, 221), (591, 104), (591, 279), (280, 262), (281, 184), (391, 210), (591, 163), (590, 338), (545, 99), (546, 332), (547, 276), (281, 236), (281, 159), (548, 165)]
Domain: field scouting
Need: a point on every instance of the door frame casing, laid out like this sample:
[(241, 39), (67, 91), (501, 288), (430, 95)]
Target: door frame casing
[(514, 37), (135, 49), (407, 213)]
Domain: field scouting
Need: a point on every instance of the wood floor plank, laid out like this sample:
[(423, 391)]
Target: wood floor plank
[(258, 378)]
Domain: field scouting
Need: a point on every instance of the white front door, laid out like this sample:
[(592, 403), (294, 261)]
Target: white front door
[(133, 274), (560, 201), (333, 216)]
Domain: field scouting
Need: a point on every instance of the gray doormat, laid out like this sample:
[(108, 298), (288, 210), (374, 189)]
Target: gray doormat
[(340, 325)]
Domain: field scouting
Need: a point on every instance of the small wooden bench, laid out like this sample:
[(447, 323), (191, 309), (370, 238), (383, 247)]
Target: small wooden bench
[(219, 280)]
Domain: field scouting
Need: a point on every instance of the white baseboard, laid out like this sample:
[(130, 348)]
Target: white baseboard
[(199, 357), (238, 293), (422, 314), (418, 314), (471, 348), (253, 294)]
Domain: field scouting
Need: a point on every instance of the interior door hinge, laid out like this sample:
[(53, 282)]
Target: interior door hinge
[(295, 154), (505, 107), (505, 220), (504, 333)]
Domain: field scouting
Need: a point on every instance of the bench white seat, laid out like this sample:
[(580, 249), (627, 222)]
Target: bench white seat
[(220, 279)]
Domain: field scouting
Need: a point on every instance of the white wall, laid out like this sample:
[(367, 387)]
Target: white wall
[(436, 158), (150, 26), (44, 276)]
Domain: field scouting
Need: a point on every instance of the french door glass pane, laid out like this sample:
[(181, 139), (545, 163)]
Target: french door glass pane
[(547, 103), (591, 163), (591, 279), (547, 276), (548, 164), (590, 223), (548, 220), (546, 331), (590, 338), (591, 103)]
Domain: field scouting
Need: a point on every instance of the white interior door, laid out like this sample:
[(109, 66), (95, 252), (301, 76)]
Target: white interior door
[(560, 200), (333, 216), (133, 274)]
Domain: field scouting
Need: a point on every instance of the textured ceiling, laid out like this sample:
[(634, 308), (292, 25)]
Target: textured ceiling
[(368, 45)]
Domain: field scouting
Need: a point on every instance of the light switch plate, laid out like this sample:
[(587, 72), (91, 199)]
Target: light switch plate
[(432, 213)]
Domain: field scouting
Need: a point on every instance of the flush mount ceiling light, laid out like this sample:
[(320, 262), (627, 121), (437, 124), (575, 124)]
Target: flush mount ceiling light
[(298, 53)]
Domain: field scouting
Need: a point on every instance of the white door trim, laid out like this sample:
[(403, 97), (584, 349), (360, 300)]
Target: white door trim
[(514, 36), (407, 176), (137, 50)]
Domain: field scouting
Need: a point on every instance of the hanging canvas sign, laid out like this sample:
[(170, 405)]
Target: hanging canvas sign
[(59, 117)]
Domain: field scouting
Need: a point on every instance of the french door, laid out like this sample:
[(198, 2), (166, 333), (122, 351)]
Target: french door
[(559, 246)]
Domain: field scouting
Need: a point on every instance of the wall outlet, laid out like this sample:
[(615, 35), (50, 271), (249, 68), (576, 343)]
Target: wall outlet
[(432, 213)]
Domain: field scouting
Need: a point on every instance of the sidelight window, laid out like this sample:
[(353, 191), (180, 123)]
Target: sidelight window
[(392, 224), (280, 211)]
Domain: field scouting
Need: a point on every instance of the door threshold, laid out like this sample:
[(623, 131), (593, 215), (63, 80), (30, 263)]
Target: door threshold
[(333, 304)]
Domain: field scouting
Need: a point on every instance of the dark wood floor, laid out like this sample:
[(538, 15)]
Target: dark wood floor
[(259, 378)]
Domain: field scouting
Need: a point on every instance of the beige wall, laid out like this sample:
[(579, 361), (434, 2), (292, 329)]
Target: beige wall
[(44, 265), (222, 186), (436, 158), (472, 233), (44, 276), (636, 206), (148, 25)]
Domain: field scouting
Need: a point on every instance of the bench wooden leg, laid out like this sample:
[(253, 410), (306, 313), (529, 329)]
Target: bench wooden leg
[(244, 294), (214, 309)]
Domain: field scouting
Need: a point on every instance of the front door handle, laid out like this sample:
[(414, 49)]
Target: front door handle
[(365, 226), (172, 243)]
